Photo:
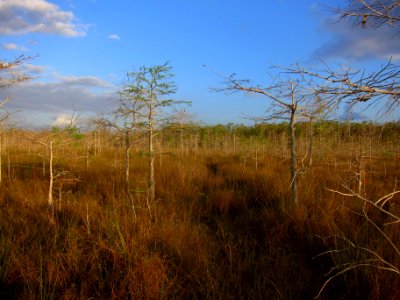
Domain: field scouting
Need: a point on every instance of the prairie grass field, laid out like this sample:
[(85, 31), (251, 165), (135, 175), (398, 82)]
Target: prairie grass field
[(222, 226)]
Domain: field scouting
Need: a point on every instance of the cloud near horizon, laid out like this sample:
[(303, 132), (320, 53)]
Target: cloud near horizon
[(355, 43), (62, 120), (58, 96), (349, 114), (37, 16)]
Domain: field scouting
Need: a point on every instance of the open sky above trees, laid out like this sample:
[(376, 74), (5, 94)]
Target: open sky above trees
[(85, 47)]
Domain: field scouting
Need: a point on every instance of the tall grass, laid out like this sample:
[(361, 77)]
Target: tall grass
[(222, 225)]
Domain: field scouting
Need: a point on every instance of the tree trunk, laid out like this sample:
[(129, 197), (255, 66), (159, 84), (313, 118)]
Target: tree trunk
[(127, 152), (151, 152), (50, 196), (293, 164), (310, 143)]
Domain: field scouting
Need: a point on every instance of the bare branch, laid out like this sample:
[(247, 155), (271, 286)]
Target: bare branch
[(378, 261), (291, 98), (9, 75), (371, 13), (354, 86)]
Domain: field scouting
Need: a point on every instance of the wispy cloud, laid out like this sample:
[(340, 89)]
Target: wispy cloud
[(32, 70), (12, 46), (22, 17), (114, 37), (353, 43), (85, 81)]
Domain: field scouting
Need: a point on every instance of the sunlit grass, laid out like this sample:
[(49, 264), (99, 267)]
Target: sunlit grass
[(222, 225)]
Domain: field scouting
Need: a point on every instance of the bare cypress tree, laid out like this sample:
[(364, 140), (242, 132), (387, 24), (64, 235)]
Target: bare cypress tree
[(355, 86), (9, 76), (289, 97), (380, 86), (371, 13), (56, 138)]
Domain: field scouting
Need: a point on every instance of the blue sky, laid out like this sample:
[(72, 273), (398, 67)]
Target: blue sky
[(85, 48)]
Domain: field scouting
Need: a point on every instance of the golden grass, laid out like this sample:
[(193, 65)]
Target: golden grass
[(222, 226)]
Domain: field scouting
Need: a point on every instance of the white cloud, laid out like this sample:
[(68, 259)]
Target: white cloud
[(58, 95), (62, 120), (114, 37), (22, 16), (88, 81), (12, 46), (351, 42), (33, 69)]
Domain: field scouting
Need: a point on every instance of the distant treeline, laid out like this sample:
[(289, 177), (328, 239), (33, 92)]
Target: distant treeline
[(264, 130)]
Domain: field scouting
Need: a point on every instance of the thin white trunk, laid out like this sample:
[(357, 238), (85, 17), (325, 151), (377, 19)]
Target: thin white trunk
[(151, 153), (51, 177), (127, 152), (293, 163), (310, 146), (292, 142)]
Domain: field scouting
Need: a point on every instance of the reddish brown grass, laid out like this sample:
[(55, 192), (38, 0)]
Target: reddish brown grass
[(220, 227)]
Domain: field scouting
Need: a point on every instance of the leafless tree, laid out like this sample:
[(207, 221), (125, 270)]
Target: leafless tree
[(371, 13), (291, 101), (9, 76), (380, 87), (51, 141)]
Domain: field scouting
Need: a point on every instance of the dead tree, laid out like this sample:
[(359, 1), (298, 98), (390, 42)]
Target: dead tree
[(288, 98), (51, 141), (9, 76), (380, 87), (371, 13)]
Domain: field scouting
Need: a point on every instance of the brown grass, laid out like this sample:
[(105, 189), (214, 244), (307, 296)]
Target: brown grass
[(221, 227)]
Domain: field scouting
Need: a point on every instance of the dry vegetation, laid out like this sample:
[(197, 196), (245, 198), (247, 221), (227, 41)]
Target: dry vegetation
[(222, 225)]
